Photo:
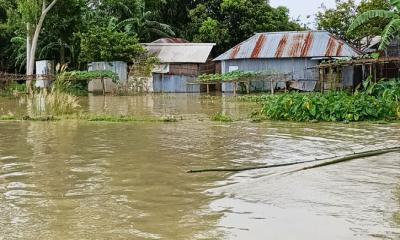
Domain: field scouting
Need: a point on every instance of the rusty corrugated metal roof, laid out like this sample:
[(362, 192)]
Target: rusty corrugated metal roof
[(181, 52), (171, 40), (307, 44)]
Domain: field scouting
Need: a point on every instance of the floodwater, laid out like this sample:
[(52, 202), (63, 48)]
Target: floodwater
[(88, 180)]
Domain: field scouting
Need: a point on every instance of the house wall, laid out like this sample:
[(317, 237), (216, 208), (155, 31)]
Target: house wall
[(168, 83), (187, 69), (298, 67)]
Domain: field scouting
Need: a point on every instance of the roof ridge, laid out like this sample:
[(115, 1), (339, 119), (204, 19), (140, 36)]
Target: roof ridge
[(179, 44), (282, 32)]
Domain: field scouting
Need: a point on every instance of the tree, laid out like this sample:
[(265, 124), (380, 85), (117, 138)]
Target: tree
[(228, 22), (392, 28), (338, 20), (104, 44), (30, 10), (58, 41), (142, 23)]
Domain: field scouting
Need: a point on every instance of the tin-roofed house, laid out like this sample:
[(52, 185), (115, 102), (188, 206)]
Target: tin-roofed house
[(181, 63), (294, 53)]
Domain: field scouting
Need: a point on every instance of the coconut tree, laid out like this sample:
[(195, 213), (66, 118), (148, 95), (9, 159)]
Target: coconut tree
[(390, 31), (142, 24)]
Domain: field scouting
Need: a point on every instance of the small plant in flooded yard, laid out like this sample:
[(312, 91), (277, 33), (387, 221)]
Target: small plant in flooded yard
[(221, 117)]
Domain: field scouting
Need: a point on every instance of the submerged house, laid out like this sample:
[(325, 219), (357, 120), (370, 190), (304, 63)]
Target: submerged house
[(181, 63), (296, 54), (379, 64)]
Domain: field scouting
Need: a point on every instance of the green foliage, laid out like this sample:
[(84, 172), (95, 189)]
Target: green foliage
[(228, 22), (338, 20), (88, 75), (142, 23), (392, 28), (375, 102), (14, 89), (104, 44), (221, 117), (231, 76)]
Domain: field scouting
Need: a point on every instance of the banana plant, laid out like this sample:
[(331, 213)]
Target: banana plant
[(391, 30)]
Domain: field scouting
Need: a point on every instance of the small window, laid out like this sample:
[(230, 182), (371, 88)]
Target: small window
[(233, 68)]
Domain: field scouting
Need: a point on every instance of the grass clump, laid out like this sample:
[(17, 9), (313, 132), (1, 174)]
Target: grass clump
[(221, 117)]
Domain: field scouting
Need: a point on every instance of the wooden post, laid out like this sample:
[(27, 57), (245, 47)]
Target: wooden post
[(272, 86), (208, 89), (248, 87), (321, 76), (103, 86), (234, 89)]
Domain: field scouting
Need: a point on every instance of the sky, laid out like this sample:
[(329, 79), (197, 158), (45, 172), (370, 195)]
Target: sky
[(303, 8)]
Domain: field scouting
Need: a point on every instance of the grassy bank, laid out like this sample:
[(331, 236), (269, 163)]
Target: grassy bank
[(376, 101)]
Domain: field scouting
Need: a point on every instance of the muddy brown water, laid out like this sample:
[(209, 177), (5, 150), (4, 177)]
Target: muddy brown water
[(81, 180)]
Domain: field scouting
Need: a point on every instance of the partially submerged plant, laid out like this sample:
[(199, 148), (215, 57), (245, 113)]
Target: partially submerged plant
[(221, 117)]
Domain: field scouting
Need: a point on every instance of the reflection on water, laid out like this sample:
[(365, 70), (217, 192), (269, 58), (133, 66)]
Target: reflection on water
[(78, 180)]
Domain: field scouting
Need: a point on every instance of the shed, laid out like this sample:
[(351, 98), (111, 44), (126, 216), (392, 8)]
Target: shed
[(295, 53), (117, 67), (180, 64)]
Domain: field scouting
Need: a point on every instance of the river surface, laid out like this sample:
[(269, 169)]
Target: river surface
[(98, 180)]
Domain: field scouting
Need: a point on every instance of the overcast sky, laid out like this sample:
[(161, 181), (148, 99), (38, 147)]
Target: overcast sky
[(303, 8)]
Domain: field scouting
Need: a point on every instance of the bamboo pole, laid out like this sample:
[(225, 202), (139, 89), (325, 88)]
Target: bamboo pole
[(329, 161)]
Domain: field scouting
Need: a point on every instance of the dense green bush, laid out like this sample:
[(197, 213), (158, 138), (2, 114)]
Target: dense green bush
[(375, 102)]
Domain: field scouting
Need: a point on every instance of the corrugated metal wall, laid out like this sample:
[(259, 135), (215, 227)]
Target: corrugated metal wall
[(174, 83), (302, 69), (118, 67)]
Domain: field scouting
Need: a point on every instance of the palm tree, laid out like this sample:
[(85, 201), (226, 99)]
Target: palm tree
[(391, 30), (141, 24)]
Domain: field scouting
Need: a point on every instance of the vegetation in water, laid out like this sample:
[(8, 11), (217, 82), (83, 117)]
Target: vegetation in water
[(88, 75), (13, 89), (122, 118), (376, 101), (221, 117), (231, 76), (88, 117)]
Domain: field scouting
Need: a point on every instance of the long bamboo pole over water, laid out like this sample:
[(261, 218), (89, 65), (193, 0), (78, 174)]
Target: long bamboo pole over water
[(325, 162)]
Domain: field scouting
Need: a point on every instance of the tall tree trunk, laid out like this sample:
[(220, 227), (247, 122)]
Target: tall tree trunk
[(31, 51), (29, 71)]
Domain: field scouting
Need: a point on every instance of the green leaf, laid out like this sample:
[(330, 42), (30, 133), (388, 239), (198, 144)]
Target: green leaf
[(367, 16), (391, 30), (396, 3)]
